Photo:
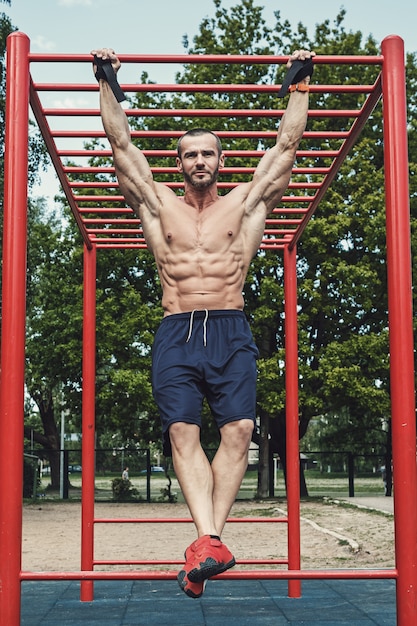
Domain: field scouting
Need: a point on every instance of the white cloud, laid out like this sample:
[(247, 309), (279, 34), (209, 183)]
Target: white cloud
[(43, 44), (73, 3), (71, 103)]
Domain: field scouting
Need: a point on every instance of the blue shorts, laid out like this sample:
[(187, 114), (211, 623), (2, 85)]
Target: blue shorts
[(204, 354)]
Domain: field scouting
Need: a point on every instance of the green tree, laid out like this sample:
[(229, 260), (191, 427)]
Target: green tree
[(5, 29), (127, 314), (54, 327), (37, 152)]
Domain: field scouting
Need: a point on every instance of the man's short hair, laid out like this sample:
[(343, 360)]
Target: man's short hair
[(195, 132)]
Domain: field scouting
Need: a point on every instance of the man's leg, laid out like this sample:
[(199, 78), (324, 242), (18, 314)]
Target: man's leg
[(195, 477), (229, 467), (194, 474), (209, 492)]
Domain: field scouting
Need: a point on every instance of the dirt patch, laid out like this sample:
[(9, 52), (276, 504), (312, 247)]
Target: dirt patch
[(332, 535)]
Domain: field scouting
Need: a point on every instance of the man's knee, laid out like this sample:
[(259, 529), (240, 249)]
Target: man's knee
[(183, 435), (238, 432)]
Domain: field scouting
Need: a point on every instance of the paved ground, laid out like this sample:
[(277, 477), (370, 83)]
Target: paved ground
[(225, 603), (379, 503)]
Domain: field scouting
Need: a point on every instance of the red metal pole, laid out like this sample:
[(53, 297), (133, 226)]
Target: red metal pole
[(403, 406), (88, 420), (13, 326), (291, 403)]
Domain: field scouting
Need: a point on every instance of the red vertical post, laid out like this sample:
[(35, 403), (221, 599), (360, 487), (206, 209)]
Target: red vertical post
[(88, 420), (403, 408), (291, 407), (13, 326)]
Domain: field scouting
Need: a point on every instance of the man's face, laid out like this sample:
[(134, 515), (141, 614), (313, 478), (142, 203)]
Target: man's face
[(200, 161)]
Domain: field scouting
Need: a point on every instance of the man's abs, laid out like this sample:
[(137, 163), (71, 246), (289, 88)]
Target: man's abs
[(194, 293)]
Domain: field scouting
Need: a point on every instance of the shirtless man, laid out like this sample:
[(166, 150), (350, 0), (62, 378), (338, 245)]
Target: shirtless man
[(203, 244)]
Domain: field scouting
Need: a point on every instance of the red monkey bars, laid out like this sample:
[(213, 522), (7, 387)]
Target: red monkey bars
[(106, 222)]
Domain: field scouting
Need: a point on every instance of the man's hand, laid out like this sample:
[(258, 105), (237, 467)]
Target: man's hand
[(105, 67), (107, 54), (301, 55)]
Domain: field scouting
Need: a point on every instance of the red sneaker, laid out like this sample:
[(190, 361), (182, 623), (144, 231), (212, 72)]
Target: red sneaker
[(193, 590), (207, 557)]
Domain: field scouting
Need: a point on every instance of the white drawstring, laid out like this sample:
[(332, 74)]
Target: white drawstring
[(205, 328), (190, 329)]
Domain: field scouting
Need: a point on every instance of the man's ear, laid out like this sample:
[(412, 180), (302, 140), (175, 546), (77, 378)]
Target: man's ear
[(179, 164), (222, 159)]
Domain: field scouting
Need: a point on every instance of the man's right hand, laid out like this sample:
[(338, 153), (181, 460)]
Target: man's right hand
[(301, 55), (106, 54)]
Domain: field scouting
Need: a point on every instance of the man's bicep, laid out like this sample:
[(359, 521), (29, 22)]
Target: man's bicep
[(269, 182), (135, 178), (132, 165)]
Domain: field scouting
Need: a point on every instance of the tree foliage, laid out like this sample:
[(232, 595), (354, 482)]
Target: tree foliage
[(37, 152), (5, 29)]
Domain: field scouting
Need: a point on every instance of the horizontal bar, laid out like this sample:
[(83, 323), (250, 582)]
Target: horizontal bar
[(289, 210), (270, 113), (118, 198), (120, 245), (200, 88), (231, 575), (136, 222), (283, 222), (99, 209), (79, 169), (127, 235), (181, 562), (174, 170), (95, 239), (185, 520), (243, 59), (283, 231), (174, 134), (173, 153), (99, 220), (111, 184), (115, 231), (128, 210)]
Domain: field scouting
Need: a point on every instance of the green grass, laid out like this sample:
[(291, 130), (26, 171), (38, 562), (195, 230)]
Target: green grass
[(319, 485)]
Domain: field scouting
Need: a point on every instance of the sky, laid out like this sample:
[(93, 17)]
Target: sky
[(125, 25), (158, 27)]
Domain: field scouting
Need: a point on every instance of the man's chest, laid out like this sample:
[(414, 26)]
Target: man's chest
[(206, 230)]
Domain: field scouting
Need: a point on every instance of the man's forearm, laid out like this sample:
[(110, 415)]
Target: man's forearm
[(297, 80), (113, 116), (294, 120)]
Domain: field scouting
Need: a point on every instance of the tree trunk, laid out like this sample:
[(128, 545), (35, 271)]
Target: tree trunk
[(388, 462), (50, 439), (303, 484), (278, 433), (263, 464)]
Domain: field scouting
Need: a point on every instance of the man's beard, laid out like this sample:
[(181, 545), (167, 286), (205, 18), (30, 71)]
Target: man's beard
[(201, 184)]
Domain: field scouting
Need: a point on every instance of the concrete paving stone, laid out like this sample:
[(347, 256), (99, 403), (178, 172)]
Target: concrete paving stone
[(225, 603)]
